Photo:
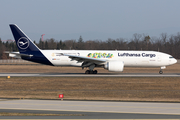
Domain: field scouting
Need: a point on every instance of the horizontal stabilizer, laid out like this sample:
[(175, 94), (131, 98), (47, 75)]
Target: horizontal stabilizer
[(17, 54)]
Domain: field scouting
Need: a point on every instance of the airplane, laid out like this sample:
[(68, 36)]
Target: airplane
[(112, 60)]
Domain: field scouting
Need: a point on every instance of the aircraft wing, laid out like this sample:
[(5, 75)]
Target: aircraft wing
[(87, 61), (17, 54)]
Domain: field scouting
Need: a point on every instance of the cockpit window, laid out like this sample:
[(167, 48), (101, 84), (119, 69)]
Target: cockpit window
[(171, 57)]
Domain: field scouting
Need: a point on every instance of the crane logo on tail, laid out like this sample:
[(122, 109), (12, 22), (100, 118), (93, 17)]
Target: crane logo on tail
[(23, 43)]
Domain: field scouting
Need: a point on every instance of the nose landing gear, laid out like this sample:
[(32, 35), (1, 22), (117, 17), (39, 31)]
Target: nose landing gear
[(161, 72)]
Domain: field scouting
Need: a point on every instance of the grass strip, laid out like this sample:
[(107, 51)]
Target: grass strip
[(86, 88)]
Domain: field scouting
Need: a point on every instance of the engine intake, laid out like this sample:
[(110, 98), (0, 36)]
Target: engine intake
[(114, 66)]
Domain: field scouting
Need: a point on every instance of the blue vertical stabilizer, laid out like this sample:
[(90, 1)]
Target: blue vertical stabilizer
[(27, 48)]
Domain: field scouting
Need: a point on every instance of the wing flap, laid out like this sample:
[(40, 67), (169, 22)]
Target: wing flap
[(85, 59)]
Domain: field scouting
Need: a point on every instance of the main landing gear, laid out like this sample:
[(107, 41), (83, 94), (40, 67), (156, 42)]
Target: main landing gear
[(91, 72)]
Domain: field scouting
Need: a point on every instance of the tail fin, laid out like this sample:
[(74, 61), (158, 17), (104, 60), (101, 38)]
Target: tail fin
[(23, 42), (28, 50)]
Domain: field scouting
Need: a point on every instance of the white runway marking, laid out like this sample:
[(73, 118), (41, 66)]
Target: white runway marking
[(89, 75)]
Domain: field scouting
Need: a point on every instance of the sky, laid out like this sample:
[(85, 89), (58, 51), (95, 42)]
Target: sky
[(91, 19)]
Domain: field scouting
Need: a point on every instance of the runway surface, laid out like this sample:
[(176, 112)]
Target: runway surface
[(89, 75), (84, 115), (93, 109)]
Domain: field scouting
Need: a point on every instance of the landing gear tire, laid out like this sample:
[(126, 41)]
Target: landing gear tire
[(91, 72), (160, 72), (95, 72), (87, 72)]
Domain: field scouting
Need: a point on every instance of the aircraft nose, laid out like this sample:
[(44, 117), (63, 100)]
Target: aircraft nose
[(174, 61)]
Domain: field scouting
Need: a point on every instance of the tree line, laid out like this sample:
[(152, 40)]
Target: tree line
[(165, 43)]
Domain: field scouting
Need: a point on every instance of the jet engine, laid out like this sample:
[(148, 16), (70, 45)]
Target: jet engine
[(114, 66)]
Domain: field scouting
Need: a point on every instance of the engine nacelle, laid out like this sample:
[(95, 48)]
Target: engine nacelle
[(114, 66)]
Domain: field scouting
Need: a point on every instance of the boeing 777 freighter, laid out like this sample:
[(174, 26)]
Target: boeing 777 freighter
[(111, 60)]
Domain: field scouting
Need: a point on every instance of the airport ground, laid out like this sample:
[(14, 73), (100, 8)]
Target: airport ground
[(165, 89), (149, 89), (81, 88)]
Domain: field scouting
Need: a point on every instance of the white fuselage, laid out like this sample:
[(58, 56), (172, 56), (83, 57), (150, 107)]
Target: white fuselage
[(130, 58)]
